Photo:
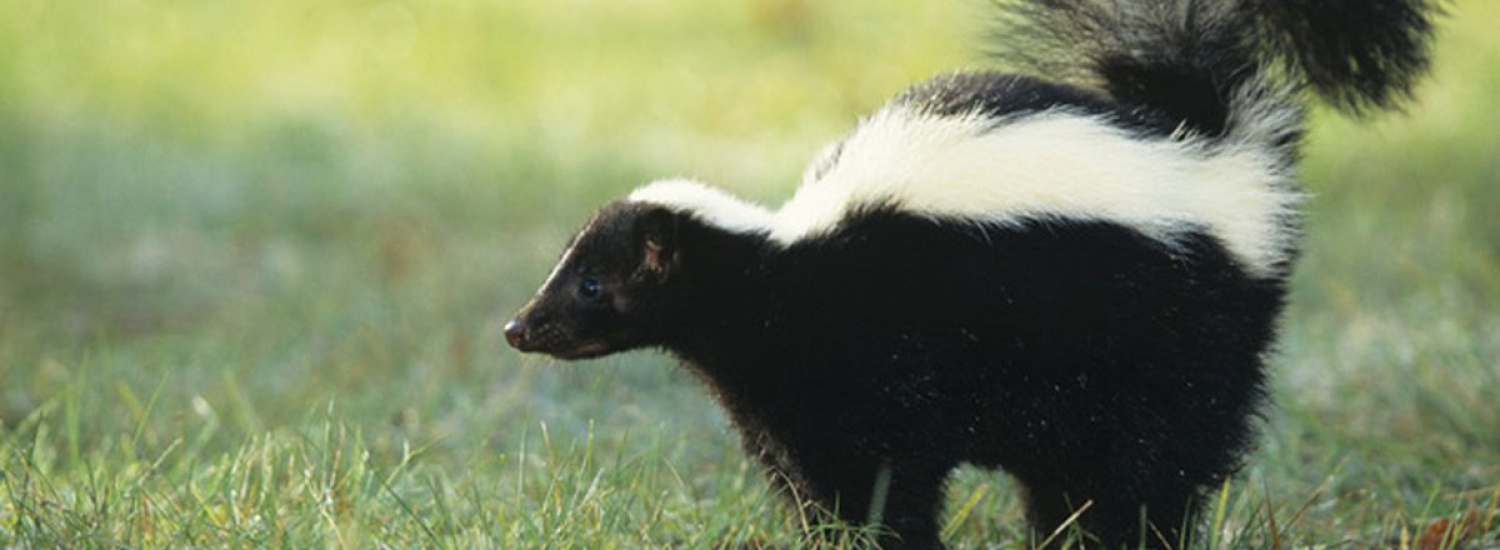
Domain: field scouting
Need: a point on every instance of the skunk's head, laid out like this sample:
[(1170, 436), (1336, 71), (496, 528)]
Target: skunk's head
[(608, 291)]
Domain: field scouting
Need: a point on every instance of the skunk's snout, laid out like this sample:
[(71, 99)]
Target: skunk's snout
[(515, 334), (531, 332)]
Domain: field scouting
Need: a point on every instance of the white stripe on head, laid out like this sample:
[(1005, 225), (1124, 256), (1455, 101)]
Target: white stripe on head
[(567, 254), (711, 205)]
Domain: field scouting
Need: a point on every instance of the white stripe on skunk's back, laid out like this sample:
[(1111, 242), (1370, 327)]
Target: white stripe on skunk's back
[(1050, 165)]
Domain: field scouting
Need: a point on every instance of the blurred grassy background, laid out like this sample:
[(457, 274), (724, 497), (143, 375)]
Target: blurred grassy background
[(234, 229)]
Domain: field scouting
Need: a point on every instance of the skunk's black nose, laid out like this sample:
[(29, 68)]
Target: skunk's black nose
[(515, 333)]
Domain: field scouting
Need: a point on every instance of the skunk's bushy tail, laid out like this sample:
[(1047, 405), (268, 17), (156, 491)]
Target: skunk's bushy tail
[(1227, 67), (1356, 54)]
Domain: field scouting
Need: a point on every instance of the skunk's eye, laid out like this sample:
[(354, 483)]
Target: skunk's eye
[(589, 288)]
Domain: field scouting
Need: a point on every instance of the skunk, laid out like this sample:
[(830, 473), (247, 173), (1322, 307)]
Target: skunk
[(1071, 274)]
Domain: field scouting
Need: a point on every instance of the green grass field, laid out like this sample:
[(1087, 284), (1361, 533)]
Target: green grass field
[(255, 256)]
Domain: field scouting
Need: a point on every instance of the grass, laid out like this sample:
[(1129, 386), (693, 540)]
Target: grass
[(254, 257)]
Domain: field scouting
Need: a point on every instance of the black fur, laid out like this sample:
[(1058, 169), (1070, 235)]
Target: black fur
[(1093, 363), (1099, 366), (1189, 58), (1003, 96), (1086, 360), (1357, 54)]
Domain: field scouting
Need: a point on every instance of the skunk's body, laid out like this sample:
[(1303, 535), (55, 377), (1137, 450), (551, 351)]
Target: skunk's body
[(1074, 282)]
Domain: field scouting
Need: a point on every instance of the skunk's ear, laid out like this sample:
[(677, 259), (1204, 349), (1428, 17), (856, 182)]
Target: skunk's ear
[(657, 228)]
